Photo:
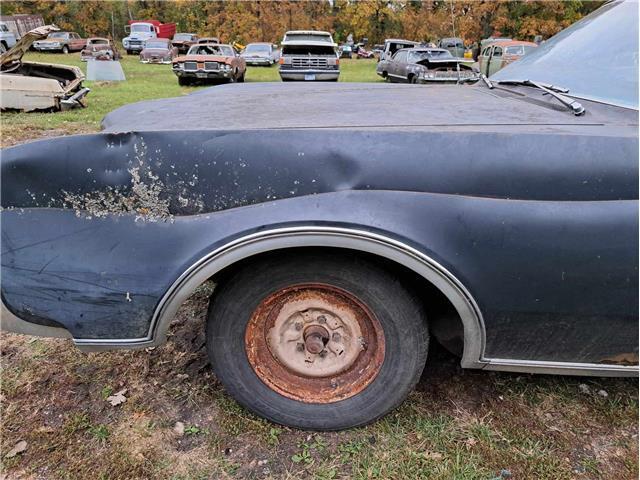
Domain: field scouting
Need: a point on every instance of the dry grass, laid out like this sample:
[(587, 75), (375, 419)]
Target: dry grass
[(457, 424)]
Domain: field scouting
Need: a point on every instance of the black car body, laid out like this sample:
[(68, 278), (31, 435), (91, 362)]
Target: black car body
[(515, 221), (426, 65)]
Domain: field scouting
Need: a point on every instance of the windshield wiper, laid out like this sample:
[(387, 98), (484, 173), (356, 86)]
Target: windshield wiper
[(556, 92), (486, 81)]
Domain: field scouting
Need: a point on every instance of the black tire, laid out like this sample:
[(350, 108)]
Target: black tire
[(413, 79), (241, 77), (183, 82), (65, 49), (398, 311)]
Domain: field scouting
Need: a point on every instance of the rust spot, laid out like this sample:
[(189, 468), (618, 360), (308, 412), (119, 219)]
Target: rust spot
[(622, 359), (313, 344)]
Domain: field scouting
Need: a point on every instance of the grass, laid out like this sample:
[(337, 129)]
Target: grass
[(457, 424), (144, 82)]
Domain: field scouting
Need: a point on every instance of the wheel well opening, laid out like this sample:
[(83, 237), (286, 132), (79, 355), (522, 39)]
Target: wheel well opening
[(444, 322)]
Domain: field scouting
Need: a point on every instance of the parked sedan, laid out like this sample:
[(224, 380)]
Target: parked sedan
[(209, 62), (500, 54), (64, 42), (265, 54), (426, 65), (158, 50), (500, 220)]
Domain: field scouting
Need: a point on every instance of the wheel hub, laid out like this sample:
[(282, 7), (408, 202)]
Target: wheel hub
[(314, 343)]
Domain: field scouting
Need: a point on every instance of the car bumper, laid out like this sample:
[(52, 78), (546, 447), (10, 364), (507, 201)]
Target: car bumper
[(319, 75), (13, 324), (47, 48), (258, 61), (158, 61), (205, 74)]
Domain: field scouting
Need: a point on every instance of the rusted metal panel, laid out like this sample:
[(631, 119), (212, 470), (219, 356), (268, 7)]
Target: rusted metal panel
[(315, 343)]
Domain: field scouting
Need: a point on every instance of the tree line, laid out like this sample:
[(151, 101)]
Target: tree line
[(263, 20)]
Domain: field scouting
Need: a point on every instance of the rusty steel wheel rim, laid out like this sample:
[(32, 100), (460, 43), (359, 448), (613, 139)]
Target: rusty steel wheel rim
[(314, 343)]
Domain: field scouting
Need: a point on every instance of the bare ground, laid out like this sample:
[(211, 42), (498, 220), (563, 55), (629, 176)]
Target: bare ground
[(457, 424)]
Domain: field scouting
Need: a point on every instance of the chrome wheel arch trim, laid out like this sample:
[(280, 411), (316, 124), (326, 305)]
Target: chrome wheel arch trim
[(359, 240), (310, 236)]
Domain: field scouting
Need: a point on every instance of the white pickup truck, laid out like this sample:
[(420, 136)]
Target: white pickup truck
[(7, 38), (309, 55)]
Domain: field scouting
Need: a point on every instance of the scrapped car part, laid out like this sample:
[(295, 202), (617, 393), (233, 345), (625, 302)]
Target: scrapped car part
[(513, 221), (209, 62), (98, 70), (313, 340), (309, 55), (30, 86)]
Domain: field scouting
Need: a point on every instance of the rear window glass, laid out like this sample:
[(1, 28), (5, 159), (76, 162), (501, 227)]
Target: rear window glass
[(519, 50)]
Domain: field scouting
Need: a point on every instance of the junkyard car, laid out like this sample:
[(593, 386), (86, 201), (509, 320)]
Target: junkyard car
[(209, 62), (392, 45), (426, 65), (500, 220), (32, 86), (99, 48), (261, 54), (500, 54), (64, 42), (158, 50), (455, 46), (309, 55), (184, 41)]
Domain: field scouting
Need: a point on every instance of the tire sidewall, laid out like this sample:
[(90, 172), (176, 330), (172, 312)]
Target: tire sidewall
[(398, 313)]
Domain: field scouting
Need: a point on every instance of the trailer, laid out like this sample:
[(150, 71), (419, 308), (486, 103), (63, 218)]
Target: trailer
[(21, 23)]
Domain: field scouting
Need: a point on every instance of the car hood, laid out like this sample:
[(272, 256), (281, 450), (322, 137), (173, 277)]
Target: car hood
[(343, 105), (202, 58), (14, 55)]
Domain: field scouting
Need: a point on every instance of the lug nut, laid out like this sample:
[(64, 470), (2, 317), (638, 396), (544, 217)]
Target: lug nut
[(322, 319), (300, 347), (335, 337), (298, 326), (323, 354)]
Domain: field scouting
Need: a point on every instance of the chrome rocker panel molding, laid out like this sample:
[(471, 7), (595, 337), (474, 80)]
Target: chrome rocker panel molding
[(561, 368)]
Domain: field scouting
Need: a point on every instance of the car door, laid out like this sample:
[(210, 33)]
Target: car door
[(77, 43), (395, 65), (483, 60), (496, 60)]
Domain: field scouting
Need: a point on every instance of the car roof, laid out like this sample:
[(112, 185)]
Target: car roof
[(307, 32), (513, 43)]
